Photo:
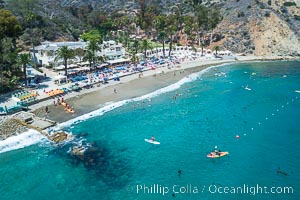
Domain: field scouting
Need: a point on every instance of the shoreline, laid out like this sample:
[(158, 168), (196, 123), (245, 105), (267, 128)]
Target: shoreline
[(129, 87), (132, 86)]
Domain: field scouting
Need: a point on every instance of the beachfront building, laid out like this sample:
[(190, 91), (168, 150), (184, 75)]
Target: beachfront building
[(46, 52), (112, 50)]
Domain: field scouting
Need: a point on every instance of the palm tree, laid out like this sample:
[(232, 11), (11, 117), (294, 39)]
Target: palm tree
[(202, 45), (144, 46), (162, 37), (134, 57), (80, 53), (30, 18), (135, 47), (172, 31), (102, 58), (89, 56), (24, 60), (93, 46), (64, 53), (216, 48)]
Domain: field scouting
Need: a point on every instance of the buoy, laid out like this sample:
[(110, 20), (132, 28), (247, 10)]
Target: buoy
[(237, 137)]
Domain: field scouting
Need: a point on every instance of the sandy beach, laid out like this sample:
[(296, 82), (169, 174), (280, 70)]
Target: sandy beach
[(128, 87)]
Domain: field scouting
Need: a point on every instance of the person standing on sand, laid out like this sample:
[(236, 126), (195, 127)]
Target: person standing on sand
[(46, 109), (115, 90)]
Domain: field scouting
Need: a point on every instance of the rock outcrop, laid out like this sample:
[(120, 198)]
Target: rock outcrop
[(261, 27)]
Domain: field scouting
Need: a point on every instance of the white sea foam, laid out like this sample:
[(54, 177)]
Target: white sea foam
[(22, 140), (113, 105)]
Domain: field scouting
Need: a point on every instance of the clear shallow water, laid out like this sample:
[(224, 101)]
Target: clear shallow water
[(211, 111)]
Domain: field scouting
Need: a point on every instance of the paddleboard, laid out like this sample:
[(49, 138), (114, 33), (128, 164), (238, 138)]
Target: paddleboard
[(247, 88), (152, 142)]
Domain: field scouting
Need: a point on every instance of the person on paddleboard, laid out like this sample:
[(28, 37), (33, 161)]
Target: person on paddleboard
[(217, 151), (153, 138)]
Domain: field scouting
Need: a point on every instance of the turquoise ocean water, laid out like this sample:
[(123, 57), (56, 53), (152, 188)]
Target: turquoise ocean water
[(210, 109)]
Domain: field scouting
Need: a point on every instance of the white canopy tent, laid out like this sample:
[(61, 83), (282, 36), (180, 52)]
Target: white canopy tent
[(60, 67), (59, 78), (118, 61), (72, 66), (83, 63), (84, 68)]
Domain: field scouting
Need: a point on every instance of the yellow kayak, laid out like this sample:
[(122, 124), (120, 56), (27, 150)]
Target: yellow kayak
[(214, 155)]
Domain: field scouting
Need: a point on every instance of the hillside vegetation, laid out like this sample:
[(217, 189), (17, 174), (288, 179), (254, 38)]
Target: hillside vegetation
[(260, 27)]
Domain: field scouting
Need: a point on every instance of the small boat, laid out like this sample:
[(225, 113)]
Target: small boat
[(215, 155), (298, 91)]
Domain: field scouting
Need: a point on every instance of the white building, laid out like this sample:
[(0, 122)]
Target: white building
[(46, 52), (112, 50)]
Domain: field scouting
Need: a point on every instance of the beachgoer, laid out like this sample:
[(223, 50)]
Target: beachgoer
[(54, 103), (153, 138), (217, 151), (46, 109), (115, 90), (62, 99), (179, 172)]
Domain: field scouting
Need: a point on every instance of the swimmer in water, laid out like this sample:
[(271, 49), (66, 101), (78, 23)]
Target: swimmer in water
[(179, 172)]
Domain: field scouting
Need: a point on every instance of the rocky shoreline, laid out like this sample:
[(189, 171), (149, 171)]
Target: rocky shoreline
[(9, 127)]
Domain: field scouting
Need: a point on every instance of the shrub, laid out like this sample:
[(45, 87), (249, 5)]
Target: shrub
[(241, 14), (267, 14), (287, 19), (289, 4), (269, 2), (249, 6)]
